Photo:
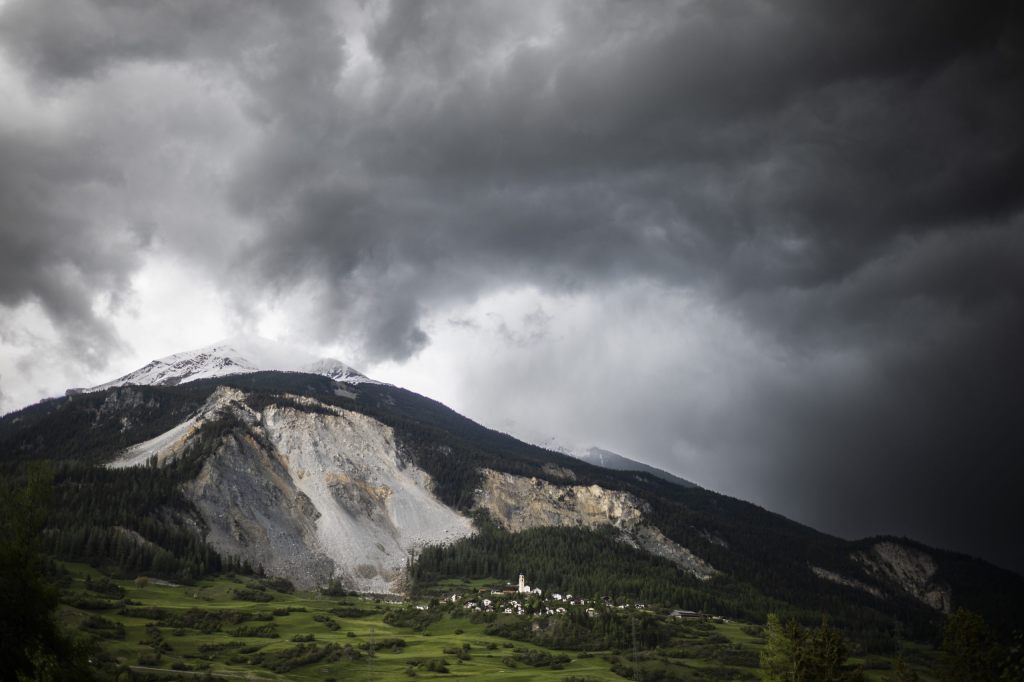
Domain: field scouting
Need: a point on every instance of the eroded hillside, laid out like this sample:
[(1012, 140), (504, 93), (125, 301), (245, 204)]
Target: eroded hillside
[(310, 492), (518, 503), (313, 492)]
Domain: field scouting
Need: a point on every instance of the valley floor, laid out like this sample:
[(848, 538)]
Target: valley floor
[(242, 628)]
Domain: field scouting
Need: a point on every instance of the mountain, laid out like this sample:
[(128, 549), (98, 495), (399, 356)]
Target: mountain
[(197, 465), (237, 355), (612, 460)]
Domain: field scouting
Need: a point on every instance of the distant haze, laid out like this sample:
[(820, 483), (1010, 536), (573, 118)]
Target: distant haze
[(776, 248)]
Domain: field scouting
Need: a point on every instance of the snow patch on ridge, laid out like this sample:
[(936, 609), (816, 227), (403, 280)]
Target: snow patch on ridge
[(338, 371), (238, 355)]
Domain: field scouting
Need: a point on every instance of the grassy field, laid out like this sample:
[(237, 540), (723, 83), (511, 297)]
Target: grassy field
[(241, 628)]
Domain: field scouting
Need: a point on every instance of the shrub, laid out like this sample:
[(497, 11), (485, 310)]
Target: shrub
[(437, 665), (251, 595), (278, 585), (103, 627), (412, 618), (268, 631), (105, 587), (350, 612), (286, 660), (393, 643)]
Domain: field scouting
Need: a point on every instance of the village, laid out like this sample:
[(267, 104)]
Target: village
[(523, 600)]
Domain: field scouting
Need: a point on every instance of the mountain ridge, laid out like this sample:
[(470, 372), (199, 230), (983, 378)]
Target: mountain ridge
[(233, 355), (613, 460), (761, 560)]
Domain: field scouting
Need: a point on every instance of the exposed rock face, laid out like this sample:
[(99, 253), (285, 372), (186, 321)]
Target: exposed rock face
[(323, 493), (834, 577), (310, 495), (518, 503), (910, 569)]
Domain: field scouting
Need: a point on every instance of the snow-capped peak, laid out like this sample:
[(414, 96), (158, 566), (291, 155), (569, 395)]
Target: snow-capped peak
[(338, 371), (237, 355)]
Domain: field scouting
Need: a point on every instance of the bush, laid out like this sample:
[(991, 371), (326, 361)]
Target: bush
[(222, 646), (268, 631), (393, 643), (541, 659), (753, 631), (462, 653), (286, 660), (251, 595), (328, 622), (437, 665), (80, 601), (278, 585), (412, 618), (103, 627), (104, 586)]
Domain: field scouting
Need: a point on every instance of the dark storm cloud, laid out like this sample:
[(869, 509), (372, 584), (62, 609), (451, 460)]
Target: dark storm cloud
[(52, 254), (763, 148), (843, 179), (83, 38), (68, 202)]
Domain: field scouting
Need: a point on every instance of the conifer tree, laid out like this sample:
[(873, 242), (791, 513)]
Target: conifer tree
[(778, 659), (969, 647), (32, 646), (795, 654)]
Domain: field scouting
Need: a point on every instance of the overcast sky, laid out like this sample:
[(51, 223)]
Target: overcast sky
[(775, 248)]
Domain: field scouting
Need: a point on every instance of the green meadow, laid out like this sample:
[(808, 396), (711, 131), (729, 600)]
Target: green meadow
[(234, 627)]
